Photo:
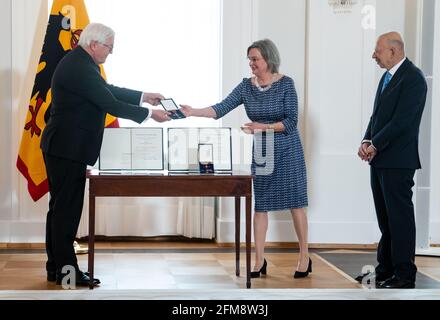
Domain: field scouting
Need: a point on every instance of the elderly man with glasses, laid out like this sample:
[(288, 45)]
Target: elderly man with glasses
[(72, 139)]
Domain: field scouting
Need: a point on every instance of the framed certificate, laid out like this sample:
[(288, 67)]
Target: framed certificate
[(132, 149)]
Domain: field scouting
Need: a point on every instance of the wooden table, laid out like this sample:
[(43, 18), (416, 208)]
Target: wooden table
[(235, 185)]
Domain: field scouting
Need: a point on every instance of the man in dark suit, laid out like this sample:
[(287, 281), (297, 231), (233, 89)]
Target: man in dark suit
[(390, 145), (72, 139)]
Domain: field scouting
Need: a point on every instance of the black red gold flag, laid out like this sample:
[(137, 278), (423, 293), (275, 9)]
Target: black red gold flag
[(67, 20)]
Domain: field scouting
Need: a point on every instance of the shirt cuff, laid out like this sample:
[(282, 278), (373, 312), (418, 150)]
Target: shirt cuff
[(142, 99), (370, 142), (150, 112)]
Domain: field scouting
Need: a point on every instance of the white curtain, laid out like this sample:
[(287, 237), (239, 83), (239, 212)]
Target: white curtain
[(150, 217), (196, 217)]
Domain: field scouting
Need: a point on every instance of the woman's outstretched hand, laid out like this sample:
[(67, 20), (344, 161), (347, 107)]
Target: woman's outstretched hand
[(187, 110)]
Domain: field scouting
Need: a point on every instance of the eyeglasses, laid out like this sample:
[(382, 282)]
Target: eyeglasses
[(108, 46), (254, 59)]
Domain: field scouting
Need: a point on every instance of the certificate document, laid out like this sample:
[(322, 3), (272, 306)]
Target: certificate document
[(147, 148), (132, 149), (115, 150)]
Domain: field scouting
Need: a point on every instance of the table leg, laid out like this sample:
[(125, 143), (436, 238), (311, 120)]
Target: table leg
[(237, 235), (91, 239), (248, 241)]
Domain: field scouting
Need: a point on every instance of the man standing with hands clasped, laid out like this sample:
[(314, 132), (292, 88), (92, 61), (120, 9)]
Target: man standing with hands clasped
[(72, 139), (390, 146)]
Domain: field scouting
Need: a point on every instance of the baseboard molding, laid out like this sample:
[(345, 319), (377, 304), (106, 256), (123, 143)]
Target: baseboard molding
[(22, 231), (294, 245), (31, 235), (139, 243), (434, 230), (17, 246), (129, 245), (342, 233)]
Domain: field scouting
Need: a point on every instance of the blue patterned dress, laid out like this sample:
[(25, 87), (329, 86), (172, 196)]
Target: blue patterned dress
[(280, 183)]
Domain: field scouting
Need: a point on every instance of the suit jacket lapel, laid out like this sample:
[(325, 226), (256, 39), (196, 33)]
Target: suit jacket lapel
[(378, 94), (396, 78), (394, 81)]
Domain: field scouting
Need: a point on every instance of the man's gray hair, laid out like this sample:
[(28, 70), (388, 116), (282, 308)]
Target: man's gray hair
[(399, 44), (269, 52), (95, 32)]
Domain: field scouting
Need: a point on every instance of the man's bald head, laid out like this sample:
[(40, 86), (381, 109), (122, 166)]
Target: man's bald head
[(394, 39), (390, 50)]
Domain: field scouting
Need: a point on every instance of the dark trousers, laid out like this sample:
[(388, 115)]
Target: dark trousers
[(395, 214), (67, 180)]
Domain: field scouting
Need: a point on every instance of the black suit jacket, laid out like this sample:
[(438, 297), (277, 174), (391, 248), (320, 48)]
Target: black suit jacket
[(394, 125), (81, 98)]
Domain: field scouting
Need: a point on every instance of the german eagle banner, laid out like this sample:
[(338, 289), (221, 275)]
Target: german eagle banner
[(67, 20)]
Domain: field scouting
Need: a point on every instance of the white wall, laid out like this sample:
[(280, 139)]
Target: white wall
[(5, 116), (24, 26), (424, 59), (335, 104), (435, 136), (341, 91)]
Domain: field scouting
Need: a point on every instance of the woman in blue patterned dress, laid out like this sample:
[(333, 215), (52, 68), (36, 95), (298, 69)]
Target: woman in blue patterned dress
[(271, 103)]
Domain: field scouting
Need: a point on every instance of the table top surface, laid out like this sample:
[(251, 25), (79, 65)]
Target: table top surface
[(96, 174)]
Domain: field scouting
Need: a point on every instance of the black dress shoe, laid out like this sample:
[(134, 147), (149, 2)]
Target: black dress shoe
[(263, 270), (379, 277), (397, 283), (300, 274), (51, 276), (81, 279)]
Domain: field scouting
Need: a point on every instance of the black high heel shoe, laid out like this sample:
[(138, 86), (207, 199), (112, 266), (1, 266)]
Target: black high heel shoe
[(263, 270), (300, 274)]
